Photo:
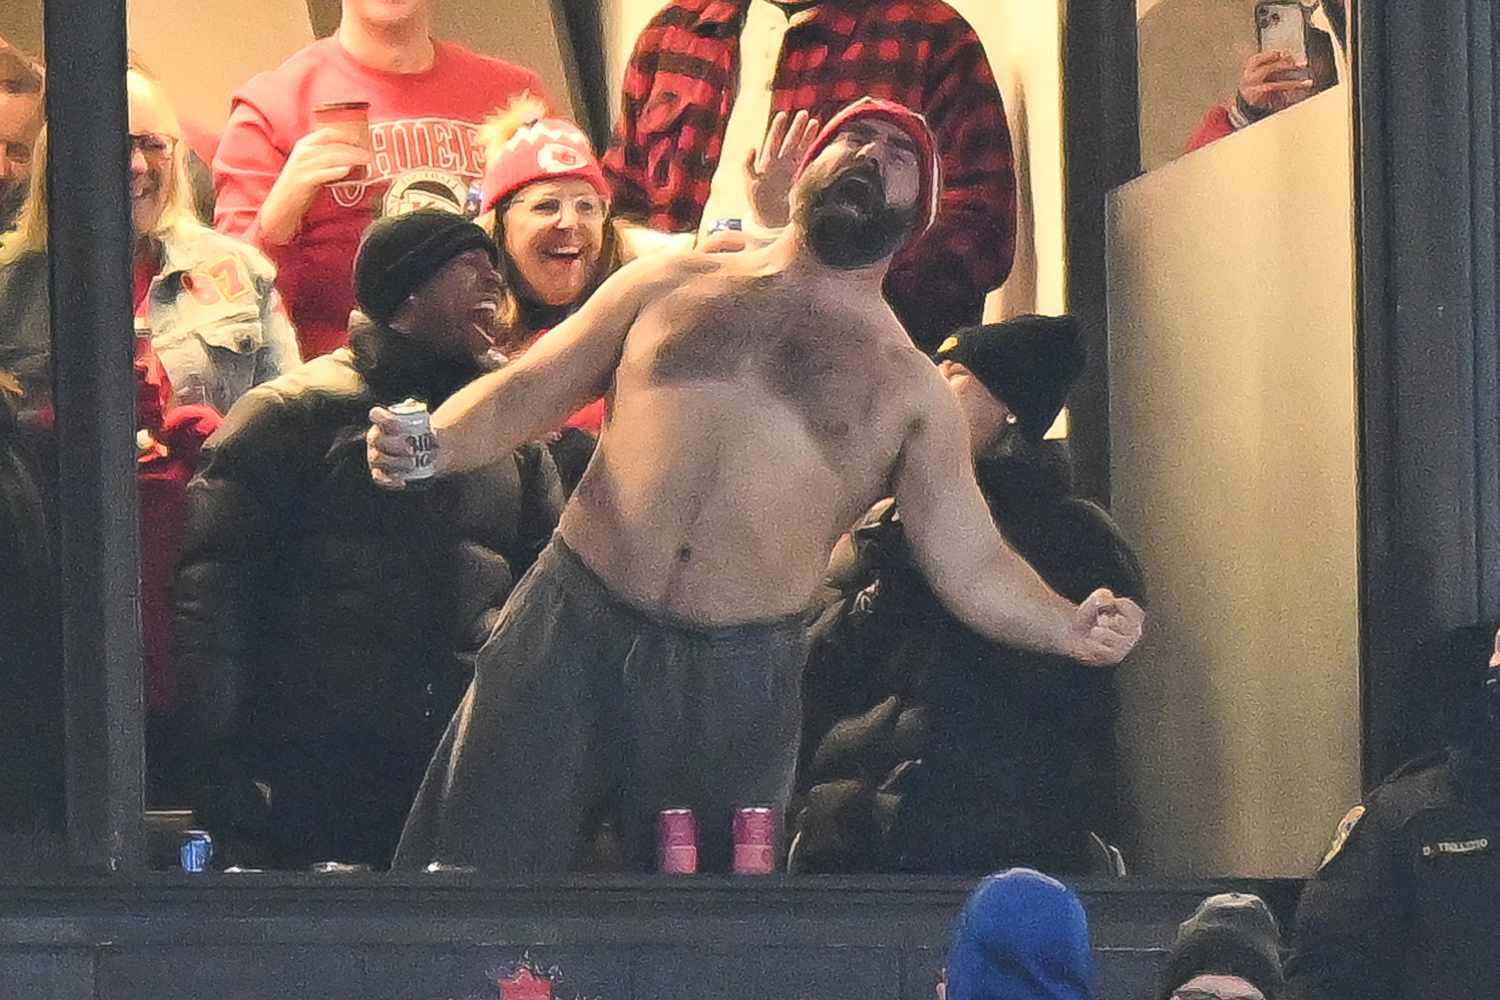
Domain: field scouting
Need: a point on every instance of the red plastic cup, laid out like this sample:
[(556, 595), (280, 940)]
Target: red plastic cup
[(351, 119)]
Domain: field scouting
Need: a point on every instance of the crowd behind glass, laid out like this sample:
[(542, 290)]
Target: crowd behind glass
[(308, 635)]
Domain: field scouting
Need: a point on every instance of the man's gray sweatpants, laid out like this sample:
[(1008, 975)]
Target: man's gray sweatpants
[(580, 701)]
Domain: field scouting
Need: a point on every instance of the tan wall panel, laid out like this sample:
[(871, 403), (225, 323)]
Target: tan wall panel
[(524, 33), (21, 24), (1023, 39), (203, 50), (1233, 423)]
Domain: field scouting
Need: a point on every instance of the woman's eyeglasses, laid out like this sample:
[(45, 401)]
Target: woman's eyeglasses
[(153, 145), (586, 208)]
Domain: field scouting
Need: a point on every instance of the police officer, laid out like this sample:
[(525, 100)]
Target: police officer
[(1406, 903)]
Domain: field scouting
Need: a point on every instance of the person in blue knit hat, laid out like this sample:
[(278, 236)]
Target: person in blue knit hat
[(1021, 936)]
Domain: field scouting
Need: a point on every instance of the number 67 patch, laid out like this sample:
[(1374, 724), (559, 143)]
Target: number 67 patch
[(222, 281)]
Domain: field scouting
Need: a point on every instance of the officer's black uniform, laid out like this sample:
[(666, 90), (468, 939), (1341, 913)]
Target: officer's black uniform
[(1406, 906)]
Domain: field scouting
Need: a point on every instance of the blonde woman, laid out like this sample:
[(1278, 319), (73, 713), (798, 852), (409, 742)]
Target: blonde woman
[(20, 119), (208, 301), (545, 200), (216, 329)]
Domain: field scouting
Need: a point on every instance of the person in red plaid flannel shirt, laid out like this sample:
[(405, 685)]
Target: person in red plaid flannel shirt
[(700, 66)]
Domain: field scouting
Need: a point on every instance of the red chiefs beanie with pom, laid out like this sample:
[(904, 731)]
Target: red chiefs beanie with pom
[(541, 150)]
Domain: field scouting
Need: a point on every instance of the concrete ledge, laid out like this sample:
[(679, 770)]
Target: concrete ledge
[(452, 937)]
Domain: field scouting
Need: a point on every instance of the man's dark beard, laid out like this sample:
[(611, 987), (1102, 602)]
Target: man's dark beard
[(847, 221)]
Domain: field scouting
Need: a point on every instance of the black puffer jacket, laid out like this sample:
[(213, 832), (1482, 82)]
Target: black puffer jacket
[(325, 628), (929, 748), (31, 703)]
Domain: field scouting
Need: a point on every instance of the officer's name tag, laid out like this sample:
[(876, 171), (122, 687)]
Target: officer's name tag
[(1456, 847)]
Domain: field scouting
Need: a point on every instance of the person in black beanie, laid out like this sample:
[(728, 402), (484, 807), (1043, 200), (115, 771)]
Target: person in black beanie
[(926, 747), (1026, 365), (1228, 949), (326, 628)]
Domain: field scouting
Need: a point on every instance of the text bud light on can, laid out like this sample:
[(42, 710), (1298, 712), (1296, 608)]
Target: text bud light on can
[(196, 851), (755, 841), (676, 842), (416, 429)]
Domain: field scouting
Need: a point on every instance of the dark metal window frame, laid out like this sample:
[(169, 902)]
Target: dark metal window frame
[(89, 245), (1426, 186), (1427, 355)]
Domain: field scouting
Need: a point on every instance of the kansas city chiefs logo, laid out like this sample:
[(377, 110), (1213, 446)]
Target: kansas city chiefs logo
[(528, 980), (524, 984), (556, 158)]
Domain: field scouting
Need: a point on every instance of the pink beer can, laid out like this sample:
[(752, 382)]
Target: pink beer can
[(755, 840), (676, 842)]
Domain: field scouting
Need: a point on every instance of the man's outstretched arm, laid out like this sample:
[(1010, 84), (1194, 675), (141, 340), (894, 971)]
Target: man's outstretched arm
[(493, 415), (970, 567)]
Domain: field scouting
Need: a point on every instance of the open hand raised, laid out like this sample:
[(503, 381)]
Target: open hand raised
[(770, 169)]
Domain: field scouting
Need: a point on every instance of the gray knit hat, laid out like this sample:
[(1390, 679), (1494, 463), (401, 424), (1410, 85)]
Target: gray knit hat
[(1233, 933)]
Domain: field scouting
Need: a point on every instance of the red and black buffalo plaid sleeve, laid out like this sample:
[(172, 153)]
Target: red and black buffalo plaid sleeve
[(940, 283), (675, 101), (679, 85)]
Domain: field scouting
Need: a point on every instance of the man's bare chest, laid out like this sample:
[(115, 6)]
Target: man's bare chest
[(823, 369)]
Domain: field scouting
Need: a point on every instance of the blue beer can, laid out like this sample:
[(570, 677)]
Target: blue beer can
[(197, 850), (732, 225)]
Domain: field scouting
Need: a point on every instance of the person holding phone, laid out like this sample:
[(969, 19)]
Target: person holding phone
[(1294, 59)]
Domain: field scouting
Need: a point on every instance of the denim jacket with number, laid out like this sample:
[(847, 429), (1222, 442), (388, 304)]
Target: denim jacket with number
[(215, 318)]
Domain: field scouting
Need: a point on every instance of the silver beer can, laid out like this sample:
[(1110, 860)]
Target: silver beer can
[(416, 428)]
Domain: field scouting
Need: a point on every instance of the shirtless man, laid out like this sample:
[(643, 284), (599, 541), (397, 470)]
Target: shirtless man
[(652, 658)]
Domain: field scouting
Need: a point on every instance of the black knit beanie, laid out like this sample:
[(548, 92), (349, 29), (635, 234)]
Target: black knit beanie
[(399, 254), (1231, 934), (1029, 363)]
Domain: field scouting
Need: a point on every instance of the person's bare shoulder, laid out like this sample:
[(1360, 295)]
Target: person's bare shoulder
[(677, 264), (912, 380), (653, 275)]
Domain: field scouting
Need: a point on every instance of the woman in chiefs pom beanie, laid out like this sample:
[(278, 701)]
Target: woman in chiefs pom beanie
[(557, 239)]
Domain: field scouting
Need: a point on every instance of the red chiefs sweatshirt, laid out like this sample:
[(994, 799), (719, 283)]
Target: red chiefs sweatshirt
[(423, 136)]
